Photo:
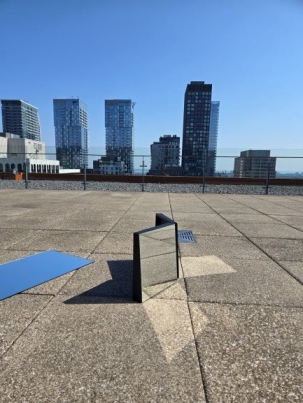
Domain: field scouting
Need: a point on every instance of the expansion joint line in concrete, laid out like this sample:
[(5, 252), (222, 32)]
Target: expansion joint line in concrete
[(257, 246), (275, 203), (221, 303), (262, 250), (261, 212), (199, 358), (93, 250), (29, 324)]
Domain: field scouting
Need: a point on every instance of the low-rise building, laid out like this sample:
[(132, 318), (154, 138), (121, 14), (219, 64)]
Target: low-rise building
[(16, 153), (255, 164), (165, 154), (109, 165)]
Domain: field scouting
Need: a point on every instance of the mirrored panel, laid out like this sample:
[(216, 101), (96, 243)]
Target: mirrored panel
[(155, 261), (30, 271)]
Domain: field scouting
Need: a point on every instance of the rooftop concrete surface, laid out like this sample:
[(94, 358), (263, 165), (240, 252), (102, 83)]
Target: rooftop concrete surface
[(229, 330)]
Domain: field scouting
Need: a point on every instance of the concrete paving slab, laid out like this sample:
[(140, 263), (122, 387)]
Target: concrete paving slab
[(295, 268), (9, 212), (271, 209), (226, 204), (293, 220), (51, 287), (250, 354), (152, 208), (208, 216), (110, 205), (176, 291), (92, 343), (114, 242), (120, 207), (266, 204), (215, 226), (9, 255), (199, 208), (60, 209), (193, 203), (233, 210), (142, 215), (288, 202), (81, 224), (16, 314), (240, 282), (45, 205), (204, 266), (222, 247), (104, 353), (109, 276), (34, 222), (281, 249), (249, 218), (129, 226), (98, 195), (152, 198), (65, 241), (269, 230), (12, 236)]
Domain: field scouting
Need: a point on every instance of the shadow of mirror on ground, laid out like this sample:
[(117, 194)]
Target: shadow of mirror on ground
[(117, 290)]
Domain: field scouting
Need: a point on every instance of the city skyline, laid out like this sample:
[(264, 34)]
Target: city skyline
[(248, 50)]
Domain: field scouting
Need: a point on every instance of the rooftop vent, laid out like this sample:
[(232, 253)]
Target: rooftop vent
[(186, 236)]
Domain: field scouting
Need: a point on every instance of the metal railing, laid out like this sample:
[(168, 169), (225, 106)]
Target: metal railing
[(265, 168)]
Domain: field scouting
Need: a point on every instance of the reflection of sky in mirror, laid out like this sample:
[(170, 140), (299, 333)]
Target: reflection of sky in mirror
[(158, 241)]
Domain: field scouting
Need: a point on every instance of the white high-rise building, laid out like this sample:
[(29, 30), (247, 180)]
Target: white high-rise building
[(21, 118)]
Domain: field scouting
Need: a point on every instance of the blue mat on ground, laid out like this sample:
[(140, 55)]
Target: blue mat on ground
[(22, 274)]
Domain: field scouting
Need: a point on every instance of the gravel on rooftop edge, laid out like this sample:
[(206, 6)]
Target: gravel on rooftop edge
[(153, 187)]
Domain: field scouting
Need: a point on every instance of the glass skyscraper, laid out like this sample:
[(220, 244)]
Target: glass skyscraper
[(213, 137), (21, 118), (71, 133), (199, 145), (119, 131)]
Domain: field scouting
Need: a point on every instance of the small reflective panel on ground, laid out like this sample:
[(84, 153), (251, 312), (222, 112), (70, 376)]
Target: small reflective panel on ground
[(22, 274)]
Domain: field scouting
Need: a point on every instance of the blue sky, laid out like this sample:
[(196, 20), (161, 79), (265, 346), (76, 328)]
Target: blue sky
[(148, 51)]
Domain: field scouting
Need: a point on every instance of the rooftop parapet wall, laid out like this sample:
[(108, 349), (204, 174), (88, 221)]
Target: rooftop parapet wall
[(160, 179)]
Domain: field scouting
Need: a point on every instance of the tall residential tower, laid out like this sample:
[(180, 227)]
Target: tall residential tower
[(200, 126), (71, 133), (119, 131), (21, 118)]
